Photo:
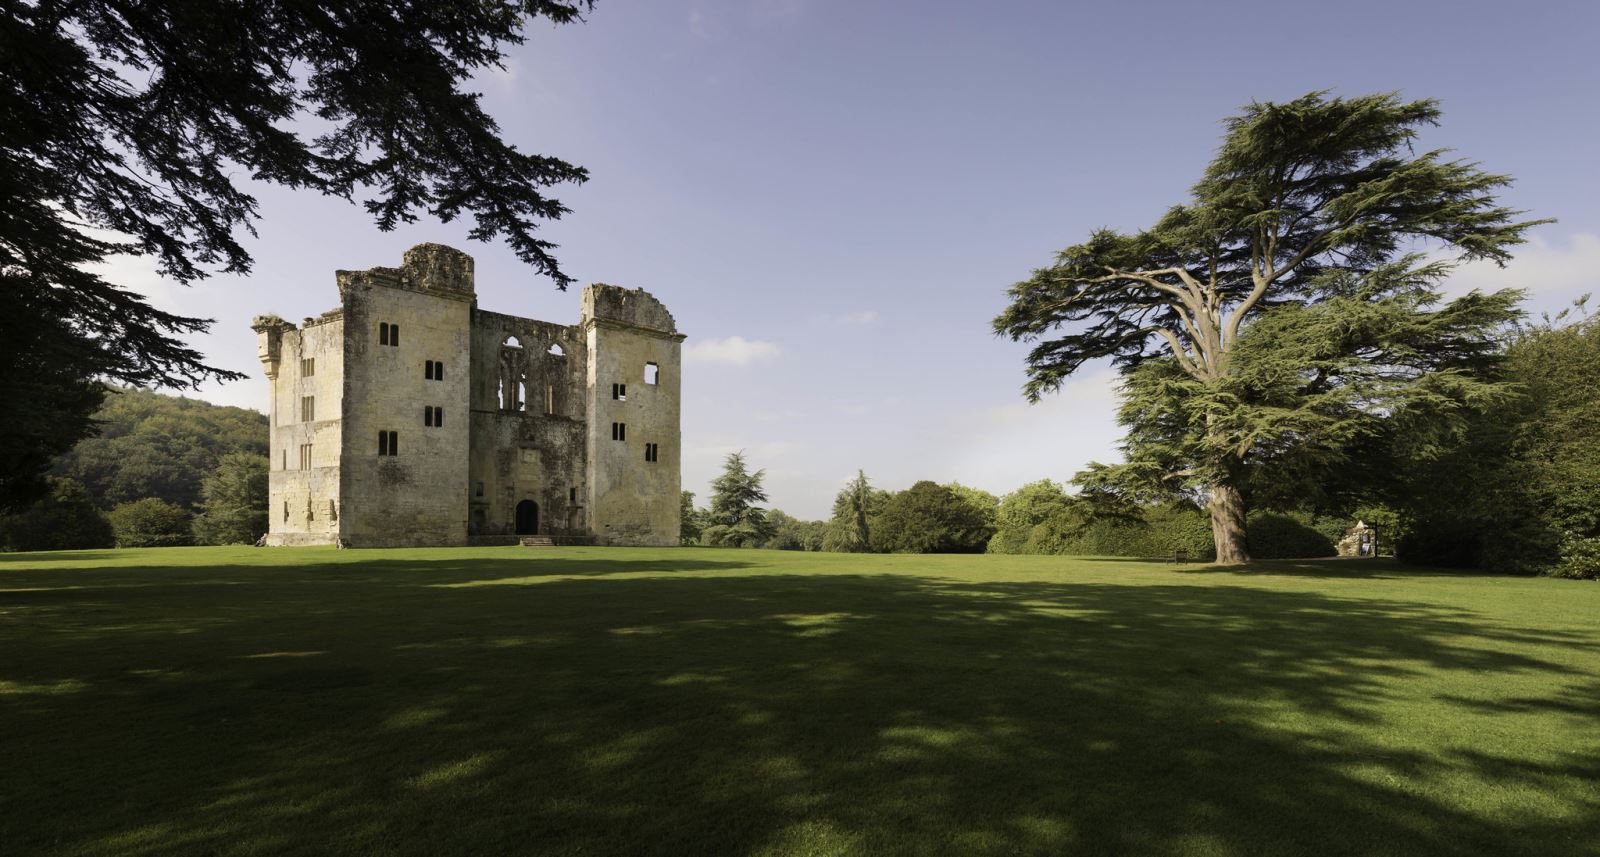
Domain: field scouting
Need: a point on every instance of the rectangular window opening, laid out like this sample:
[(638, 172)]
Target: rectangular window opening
[(572, 495), (652, 452), (308, 408), (308, 366), (619, 431), (388, 443), (619, 392), (652, 373), (477, 489), (383, 333), (305, 456)]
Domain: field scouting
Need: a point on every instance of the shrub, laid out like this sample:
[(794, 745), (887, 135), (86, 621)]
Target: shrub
[(1441, 541), (1273, 535), (150, 523), (931, 518), (1180, 526), (1580, 558), (64, 520), (235, 507)]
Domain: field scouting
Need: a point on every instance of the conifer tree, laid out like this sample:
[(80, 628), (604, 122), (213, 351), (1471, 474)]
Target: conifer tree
[(849, 530), (1275, 319), (131, 128), (735, 519)]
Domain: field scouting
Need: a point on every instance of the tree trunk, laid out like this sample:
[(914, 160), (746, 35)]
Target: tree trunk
[(1228, 524)]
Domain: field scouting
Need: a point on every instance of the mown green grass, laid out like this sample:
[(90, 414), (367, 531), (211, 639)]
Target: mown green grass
[(686, 701)]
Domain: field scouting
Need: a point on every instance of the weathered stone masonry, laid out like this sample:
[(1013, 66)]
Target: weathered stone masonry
[(408, 416)]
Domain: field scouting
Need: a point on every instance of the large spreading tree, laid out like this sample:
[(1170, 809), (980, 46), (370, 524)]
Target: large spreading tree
[(131, 127), (1285, 318)]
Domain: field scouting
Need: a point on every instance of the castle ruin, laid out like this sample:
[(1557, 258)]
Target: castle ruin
[(408, 416)]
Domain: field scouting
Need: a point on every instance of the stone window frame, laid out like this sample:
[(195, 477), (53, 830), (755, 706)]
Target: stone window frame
[(652, 452), (652, 373), (619, 431), (388, 443), (388, 334)]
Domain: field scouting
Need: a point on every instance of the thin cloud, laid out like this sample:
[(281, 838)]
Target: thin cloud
[(731, 351), (1553, 273)]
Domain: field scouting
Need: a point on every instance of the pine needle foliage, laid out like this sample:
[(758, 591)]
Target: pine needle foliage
[(736, 519), (1284, 312), (132, 128)]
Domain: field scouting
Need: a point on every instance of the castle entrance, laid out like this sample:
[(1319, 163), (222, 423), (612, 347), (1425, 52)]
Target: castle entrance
[(527, 518)]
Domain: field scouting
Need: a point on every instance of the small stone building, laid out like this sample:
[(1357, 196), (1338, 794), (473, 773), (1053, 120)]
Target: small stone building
[(408, 416), (1359, 540)]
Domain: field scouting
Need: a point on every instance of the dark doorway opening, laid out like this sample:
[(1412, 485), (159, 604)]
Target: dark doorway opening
[(527, 518)]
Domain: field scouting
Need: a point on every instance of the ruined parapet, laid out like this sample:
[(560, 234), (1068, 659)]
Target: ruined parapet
[(630, 307), (269, 341), (436, 267), (433, 268)]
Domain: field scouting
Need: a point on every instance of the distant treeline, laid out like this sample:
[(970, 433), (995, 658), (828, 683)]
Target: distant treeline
[(164, 470), (1038, 518), (1517, 491)]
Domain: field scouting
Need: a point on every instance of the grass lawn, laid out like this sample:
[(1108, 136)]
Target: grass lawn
[(685, 701)]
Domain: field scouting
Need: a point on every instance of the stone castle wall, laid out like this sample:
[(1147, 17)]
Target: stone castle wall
[(633, 342), (526, 408)]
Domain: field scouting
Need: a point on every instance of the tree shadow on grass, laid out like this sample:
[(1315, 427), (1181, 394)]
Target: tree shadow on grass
[(1340, 568), (487, 709)]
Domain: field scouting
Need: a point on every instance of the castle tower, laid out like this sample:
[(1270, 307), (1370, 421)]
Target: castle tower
[(633, 389), (407, 331)]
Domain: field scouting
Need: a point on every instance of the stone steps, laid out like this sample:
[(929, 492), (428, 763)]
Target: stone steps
[(537, 542)]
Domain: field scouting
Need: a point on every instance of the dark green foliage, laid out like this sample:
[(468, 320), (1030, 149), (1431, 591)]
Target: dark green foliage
[(792, 534), (735, 519), (1023, 510), (1279, 536), (64, 519), (858, 504), (690, 521), (165, 447), (931, 518), (49, 394), (1443, 539), (1267, 328), (1579, 559), (234, 508), (1071, 528), (1520, 489), (1156, 531), (144, 121), (150, 523)]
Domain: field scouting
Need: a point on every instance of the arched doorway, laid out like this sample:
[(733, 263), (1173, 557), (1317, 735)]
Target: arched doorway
[(527, 518)]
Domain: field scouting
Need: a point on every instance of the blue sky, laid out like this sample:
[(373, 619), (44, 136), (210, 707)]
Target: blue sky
[(832, 197)]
